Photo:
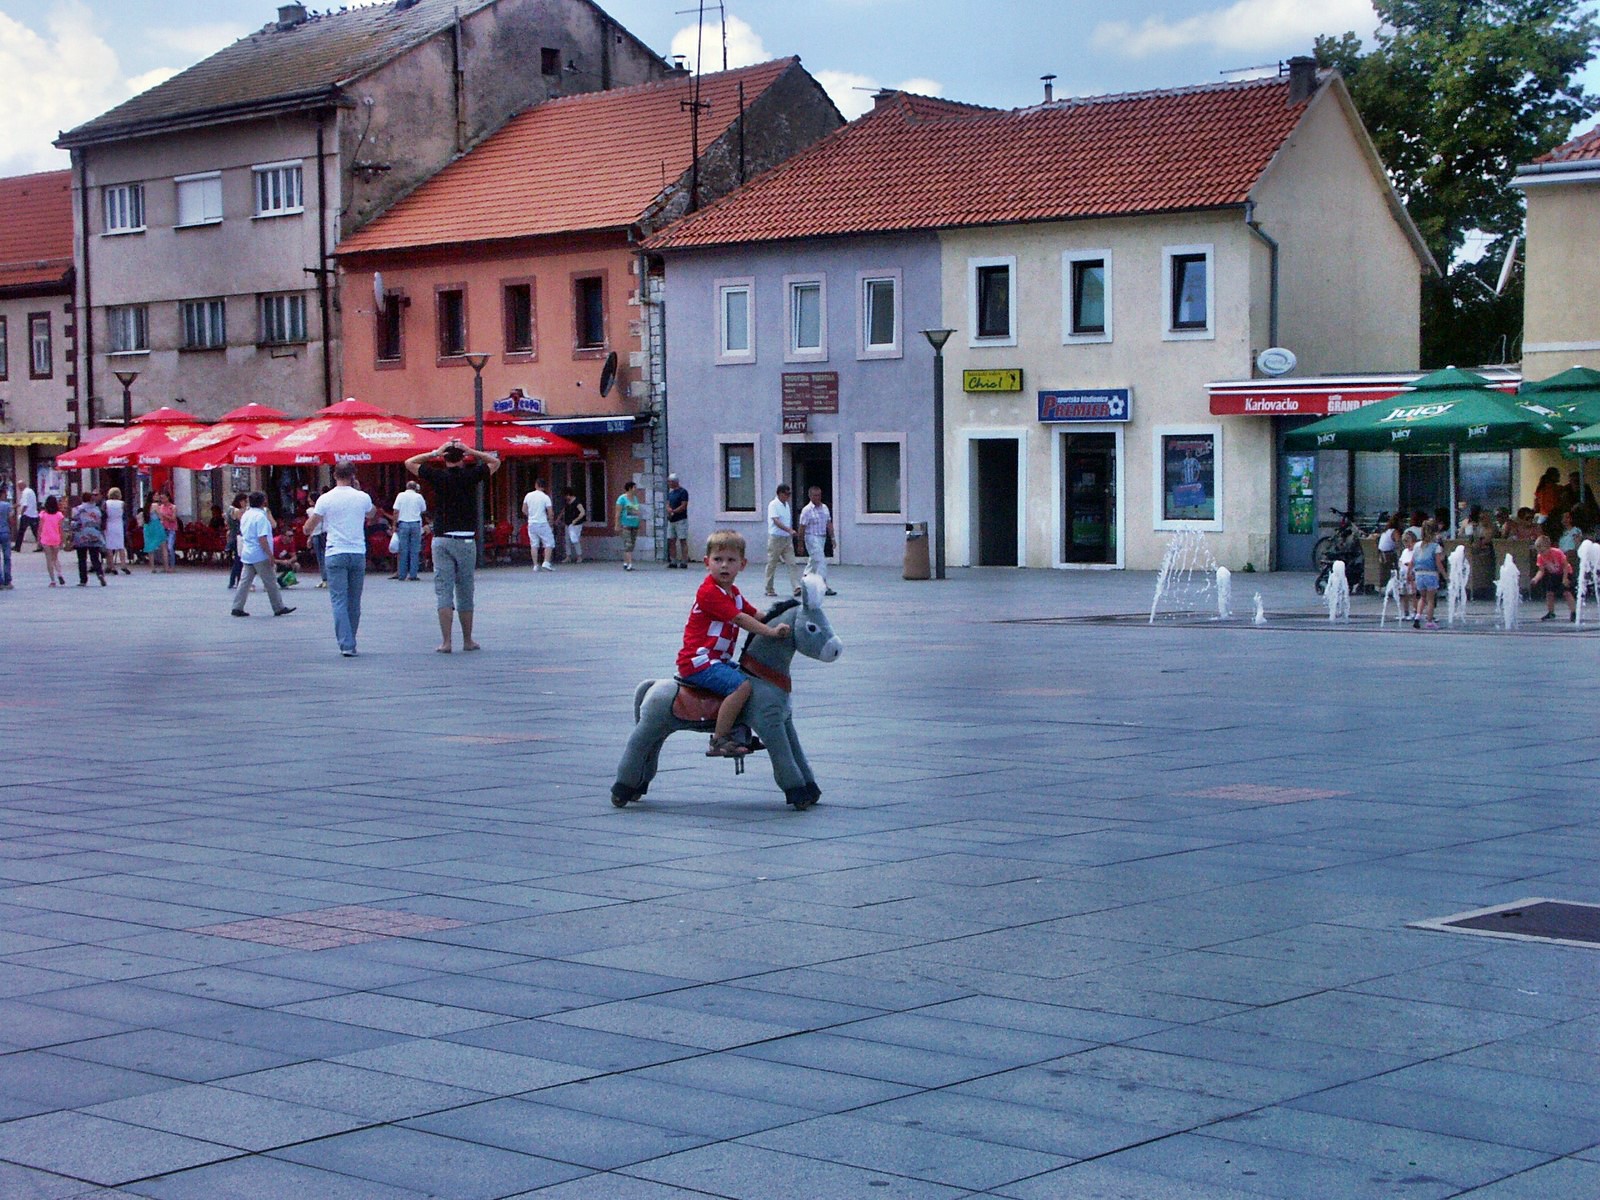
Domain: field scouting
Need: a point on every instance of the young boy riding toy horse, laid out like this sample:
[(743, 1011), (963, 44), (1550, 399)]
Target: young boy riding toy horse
[(719, 612)]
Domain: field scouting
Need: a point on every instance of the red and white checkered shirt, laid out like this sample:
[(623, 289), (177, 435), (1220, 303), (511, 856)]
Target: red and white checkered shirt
[(710, 634)]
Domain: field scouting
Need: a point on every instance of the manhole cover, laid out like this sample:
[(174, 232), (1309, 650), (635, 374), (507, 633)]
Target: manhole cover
[(1536, 919)]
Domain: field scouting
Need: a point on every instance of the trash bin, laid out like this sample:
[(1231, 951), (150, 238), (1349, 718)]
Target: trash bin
[(916, 565)]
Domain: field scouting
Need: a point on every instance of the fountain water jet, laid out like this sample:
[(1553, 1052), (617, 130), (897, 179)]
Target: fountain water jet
[(1224, 593), (1456, 588), (1338, 593), (1588, 573), (1185, 580), (1261, 613), (1508, 594)]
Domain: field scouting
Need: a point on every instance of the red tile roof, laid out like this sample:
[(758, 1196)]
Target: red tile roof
[(36, 235), (1583, 148), (913, 163), (595, 161)]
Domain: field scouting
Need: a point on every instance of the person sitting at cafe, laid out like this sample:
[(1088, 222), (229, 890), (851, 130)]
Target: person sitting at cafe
[(1571, 533), (1548, 494), (1522, 526)]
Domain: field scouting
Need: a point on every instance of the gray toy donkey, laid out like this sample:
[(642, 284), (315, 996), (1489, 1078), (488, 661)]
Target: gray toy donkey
[(767, 712)]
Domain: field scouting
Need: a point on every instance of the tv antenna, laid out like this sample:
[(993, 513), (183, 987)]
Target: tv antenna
[(700, 17)]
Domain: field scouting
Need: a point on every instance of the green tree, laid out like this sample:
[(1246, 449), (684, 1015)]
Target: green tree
[(1457, 94)]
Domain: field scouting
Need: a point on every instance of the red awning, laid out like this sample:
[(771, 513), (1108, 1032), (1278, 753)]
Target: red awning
[(1324, 395), (350, 431)]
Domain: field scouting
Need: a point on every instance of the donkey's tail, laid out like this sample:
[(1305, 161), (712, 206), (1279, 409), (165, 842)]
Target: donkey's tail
[(638, 697)]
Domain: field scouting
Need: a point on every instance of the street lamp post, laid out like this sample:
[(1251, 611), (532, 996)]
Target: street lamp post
[(129, 476), (937, 338), (477, 363)]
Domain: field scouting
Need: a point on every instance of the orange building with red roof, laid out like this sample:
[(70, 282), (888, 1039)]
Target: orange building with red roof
[(526, 250), (37, 329)]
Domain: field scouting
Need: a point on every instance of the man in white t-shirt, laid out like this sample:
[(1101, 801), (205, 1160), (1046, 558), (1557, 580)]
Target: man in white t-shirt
[(409, 506), (28, 515), (539, 511), (342, 512), (816, 523), (255, 557), (780, 539)]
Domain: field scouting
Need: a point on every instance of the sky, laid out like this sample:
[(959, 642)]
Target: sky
[(65, 61)]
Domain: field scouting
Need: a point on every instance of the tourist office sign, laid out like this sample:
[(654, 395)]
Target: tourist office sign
[(807, 392), (1003, 379), (1080, 405)]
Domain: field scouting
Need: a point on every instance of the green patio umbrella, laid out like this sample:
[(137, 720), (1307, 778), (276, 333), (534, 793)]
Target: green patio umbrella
[(1585, 443), (1574, 393)]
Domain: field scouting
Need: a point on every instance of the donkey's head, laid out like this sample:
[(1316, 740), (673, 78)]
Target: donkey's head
[(813, 635)]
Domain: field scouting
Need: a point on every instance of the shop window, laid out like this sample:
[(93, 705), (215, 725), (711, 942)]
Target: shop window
[(805, 306), (390, 340), (737, 477), (881, 497), (1086, 283), (450, 305), (124, 208), (880, 315), (735, 328), (518, 312), (205, 324), (1186, 287), (589, 304), (1188, 477), (992, 301), (40, 357), (278, 189), (282, 319), (199, 199)]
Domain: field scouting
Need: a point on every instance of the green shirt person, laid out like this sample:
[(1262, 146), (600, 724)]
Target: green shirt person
[(628, 521)]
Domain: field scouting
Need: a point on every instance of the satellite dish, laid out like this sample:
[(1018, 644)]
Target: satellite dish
[(608, 374), (377, 289), (1275, 360), (1507, 267)]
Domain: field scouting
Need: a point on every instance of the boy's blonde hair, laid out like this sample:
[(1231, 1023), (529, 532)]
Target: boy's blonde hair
[(1542, 542), (725, 539)]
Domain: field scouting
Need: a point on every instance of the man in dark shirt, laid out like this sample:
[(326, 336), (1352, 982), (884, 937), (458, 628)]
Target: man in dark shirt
[(455, 529), (677, 524)]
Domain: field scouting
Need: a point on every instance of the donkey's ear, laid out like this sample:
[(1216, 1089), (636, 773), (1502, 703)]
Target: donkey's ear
[(812, 588)]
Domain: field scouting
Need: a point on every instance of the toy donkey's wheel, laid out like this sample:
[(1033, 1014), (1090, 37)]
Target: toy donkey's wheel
[(619, 801)]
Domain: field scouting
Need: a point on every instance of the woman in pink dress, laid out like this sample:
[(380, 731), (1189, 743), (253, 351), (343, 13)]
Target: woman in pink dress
[(167, 512), (50, 538)]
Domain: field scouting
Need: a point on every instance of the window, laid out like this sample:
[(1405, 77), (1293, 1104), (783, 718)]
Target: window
[(1086, 288), (199, 199), (804, 310), (736, 341), (1186, 292), (881, 477), (450, 304), (205, 324), (992, 301), (880, 314), (129, 328), (549, 61), (124, 205), (738, 477), (1188, 477), (5, 352), (283, 319), (278, 190), (518, 306), (589, 303), (40, 364), (389, 342)]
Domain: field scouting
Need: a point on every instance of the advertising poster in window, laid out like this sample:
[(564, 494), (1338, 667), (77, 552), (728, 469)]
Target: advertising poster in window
[(1189, 467), (1302, 481)]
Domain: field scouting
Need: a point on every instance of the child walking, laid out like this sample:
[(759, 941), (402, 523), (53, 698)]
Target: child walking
[(1427, 572), (1408, 587), (719, 612)]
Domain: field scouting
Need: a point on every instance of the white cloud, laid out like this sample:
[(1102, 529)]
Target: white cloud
[(744, 45), (852, 93), (198, 41), (56, 79), (1245, 25)]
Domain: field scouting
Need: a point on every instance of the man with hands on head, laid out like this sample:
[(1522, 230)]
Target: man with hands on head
[(455, 529)]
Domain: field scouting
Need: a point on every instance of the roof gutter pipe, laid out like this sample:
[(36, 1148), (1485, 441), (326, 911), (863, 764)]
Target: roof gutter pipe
[(1272, 258), (82, 318), (322, 261)]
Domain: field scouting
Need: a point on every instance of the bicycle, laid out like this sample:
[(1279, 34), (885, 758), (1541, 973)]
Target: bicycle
[(1342, 545)]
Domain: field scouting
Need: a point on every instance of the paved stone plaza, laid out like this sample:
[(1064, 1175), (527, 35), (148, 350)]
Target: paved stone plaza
[(1086, 911)]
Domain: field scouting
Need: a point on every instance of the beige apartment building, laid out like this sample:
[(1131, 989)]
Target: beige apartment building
[(207, 209)]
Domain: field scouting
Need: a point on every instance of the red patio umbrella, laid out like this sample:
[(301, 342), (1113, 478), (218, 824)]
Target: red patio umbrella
[(210, 448), (350, 431), (158, 430), (505, 437)]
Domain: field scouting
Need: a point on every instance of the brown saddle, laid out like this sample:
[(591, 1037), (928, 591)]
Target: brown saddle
[(694, 704)]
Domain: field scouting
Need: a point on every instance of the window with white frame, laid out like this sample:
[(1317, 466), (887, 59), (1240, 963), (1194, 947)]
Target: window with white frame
[(736, 476), (880, 468), (278, 189), (1187, 292), (736, 334), (282, 318), (124, 208), (41, 364), (1187, 476), (992, 301), (129, 328), (199, 199), (205, 324), (1086, 296), (878, 297), (805, 309)]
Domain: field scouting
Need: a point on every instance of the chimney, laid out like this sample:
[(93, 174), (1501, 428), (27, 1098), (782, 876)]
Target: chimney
[(882, 96), (1049, 87), (290, 15), (1302, 78)]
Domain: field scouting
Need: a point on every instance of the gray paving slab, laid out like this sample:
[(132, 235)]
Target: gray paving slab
[(1159, 947)]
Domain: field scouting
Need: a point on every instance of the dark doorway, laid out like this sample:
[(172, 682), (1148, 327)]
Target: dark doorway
[(1089, 521), (810, 465), (994, 501)]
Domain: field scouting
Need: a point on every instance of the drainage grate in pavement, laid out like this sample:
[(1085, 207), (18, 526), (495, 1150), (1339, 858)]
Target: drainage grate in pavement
[(326, 928), (1263, 793), (1536, 919)]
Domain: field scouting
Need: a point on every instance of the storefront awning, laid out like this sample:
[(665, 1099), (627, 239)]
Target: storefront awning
[(37, 437), (1326, 395)]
